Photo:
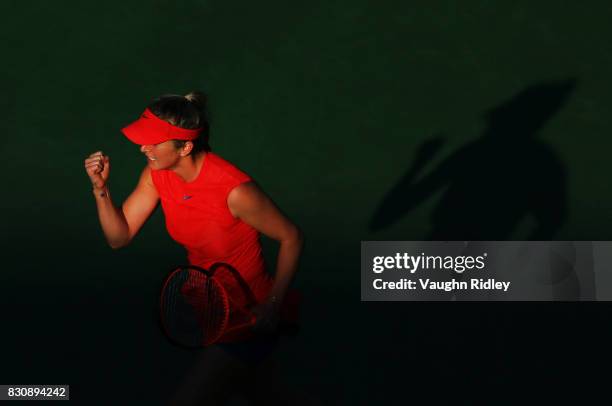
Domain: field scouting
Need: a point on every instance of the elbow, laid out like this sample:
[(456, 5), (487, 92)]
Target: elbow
[(300, 236), (117, 244), (119, 241), (296, 237)]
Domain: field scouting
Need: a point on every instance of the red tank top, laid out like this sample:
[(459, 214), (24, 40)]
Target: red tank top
[(197, 217)]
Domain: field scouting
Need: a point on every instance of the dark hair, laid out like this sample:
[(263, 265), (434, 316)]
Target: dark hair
[(187, 112)]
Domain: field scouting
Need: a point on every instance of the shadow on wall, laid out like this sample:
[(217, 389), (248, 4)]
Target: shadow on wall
[(494, 182)]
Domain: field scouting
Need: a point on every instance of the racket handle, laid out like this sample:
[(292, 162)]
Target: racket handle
[(250, 323), (238, 332)]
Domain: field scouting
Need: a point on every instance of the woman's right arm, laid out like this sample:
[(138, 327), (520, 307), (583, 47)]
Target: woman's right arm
[(120, 225)]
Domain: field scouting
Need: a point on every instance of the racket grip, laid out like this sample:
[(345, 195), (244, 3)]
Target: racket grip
[(251, 320)]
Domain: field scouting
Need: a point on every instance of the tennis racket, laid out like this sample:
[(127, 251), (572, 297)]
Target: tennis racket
[(198, 307)]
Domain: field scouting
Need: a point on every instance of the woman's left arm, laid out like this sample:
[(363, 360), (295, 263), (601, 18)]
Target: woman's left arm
[(250, 204)]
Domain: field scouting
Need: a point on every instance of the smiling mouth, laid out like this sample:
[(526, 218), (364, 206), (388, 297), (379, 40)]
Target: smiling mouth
[(151, 159)]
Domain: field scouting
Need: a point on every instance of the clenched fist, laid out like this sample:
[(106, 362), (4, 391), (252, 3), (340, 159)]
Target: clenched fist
[(97, 166)]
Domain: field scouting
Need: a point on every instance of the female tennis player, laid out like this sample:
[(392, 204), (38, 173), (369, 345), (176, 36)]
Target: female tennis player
[(211, 207)]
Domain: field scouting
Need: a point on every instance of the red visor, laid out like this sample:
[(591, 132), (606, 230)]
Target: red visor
[(150, 129)]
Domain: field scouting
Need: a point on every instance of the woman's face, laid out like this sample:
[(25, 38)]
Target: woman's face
[(161, 156)]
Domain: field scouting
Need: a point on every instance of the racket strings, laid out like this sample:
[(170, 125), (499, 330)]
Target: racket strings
[(240, 301), (203, 293), (177, 321), (200, 309), (211, 321)]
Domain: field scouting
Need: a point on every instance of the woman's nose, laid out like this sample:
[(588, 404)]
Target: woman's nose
[(145, 148)]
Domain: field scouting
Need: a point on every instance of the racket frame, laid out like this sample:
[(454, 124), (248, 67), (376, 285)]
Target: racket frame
[(210, 274)]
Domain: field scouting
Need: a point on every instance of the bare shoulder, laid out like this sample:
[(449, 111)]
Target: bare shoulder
[(246, 197), (245, 190), (249, 203)]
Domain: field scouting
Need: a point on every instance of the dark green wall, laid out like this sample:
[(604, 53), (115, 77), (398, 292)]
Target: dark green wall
[(323, 103)]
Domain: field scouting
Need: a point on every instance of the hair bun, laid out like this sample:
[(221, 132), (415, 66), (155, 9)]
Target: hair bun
[(198, 99)]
